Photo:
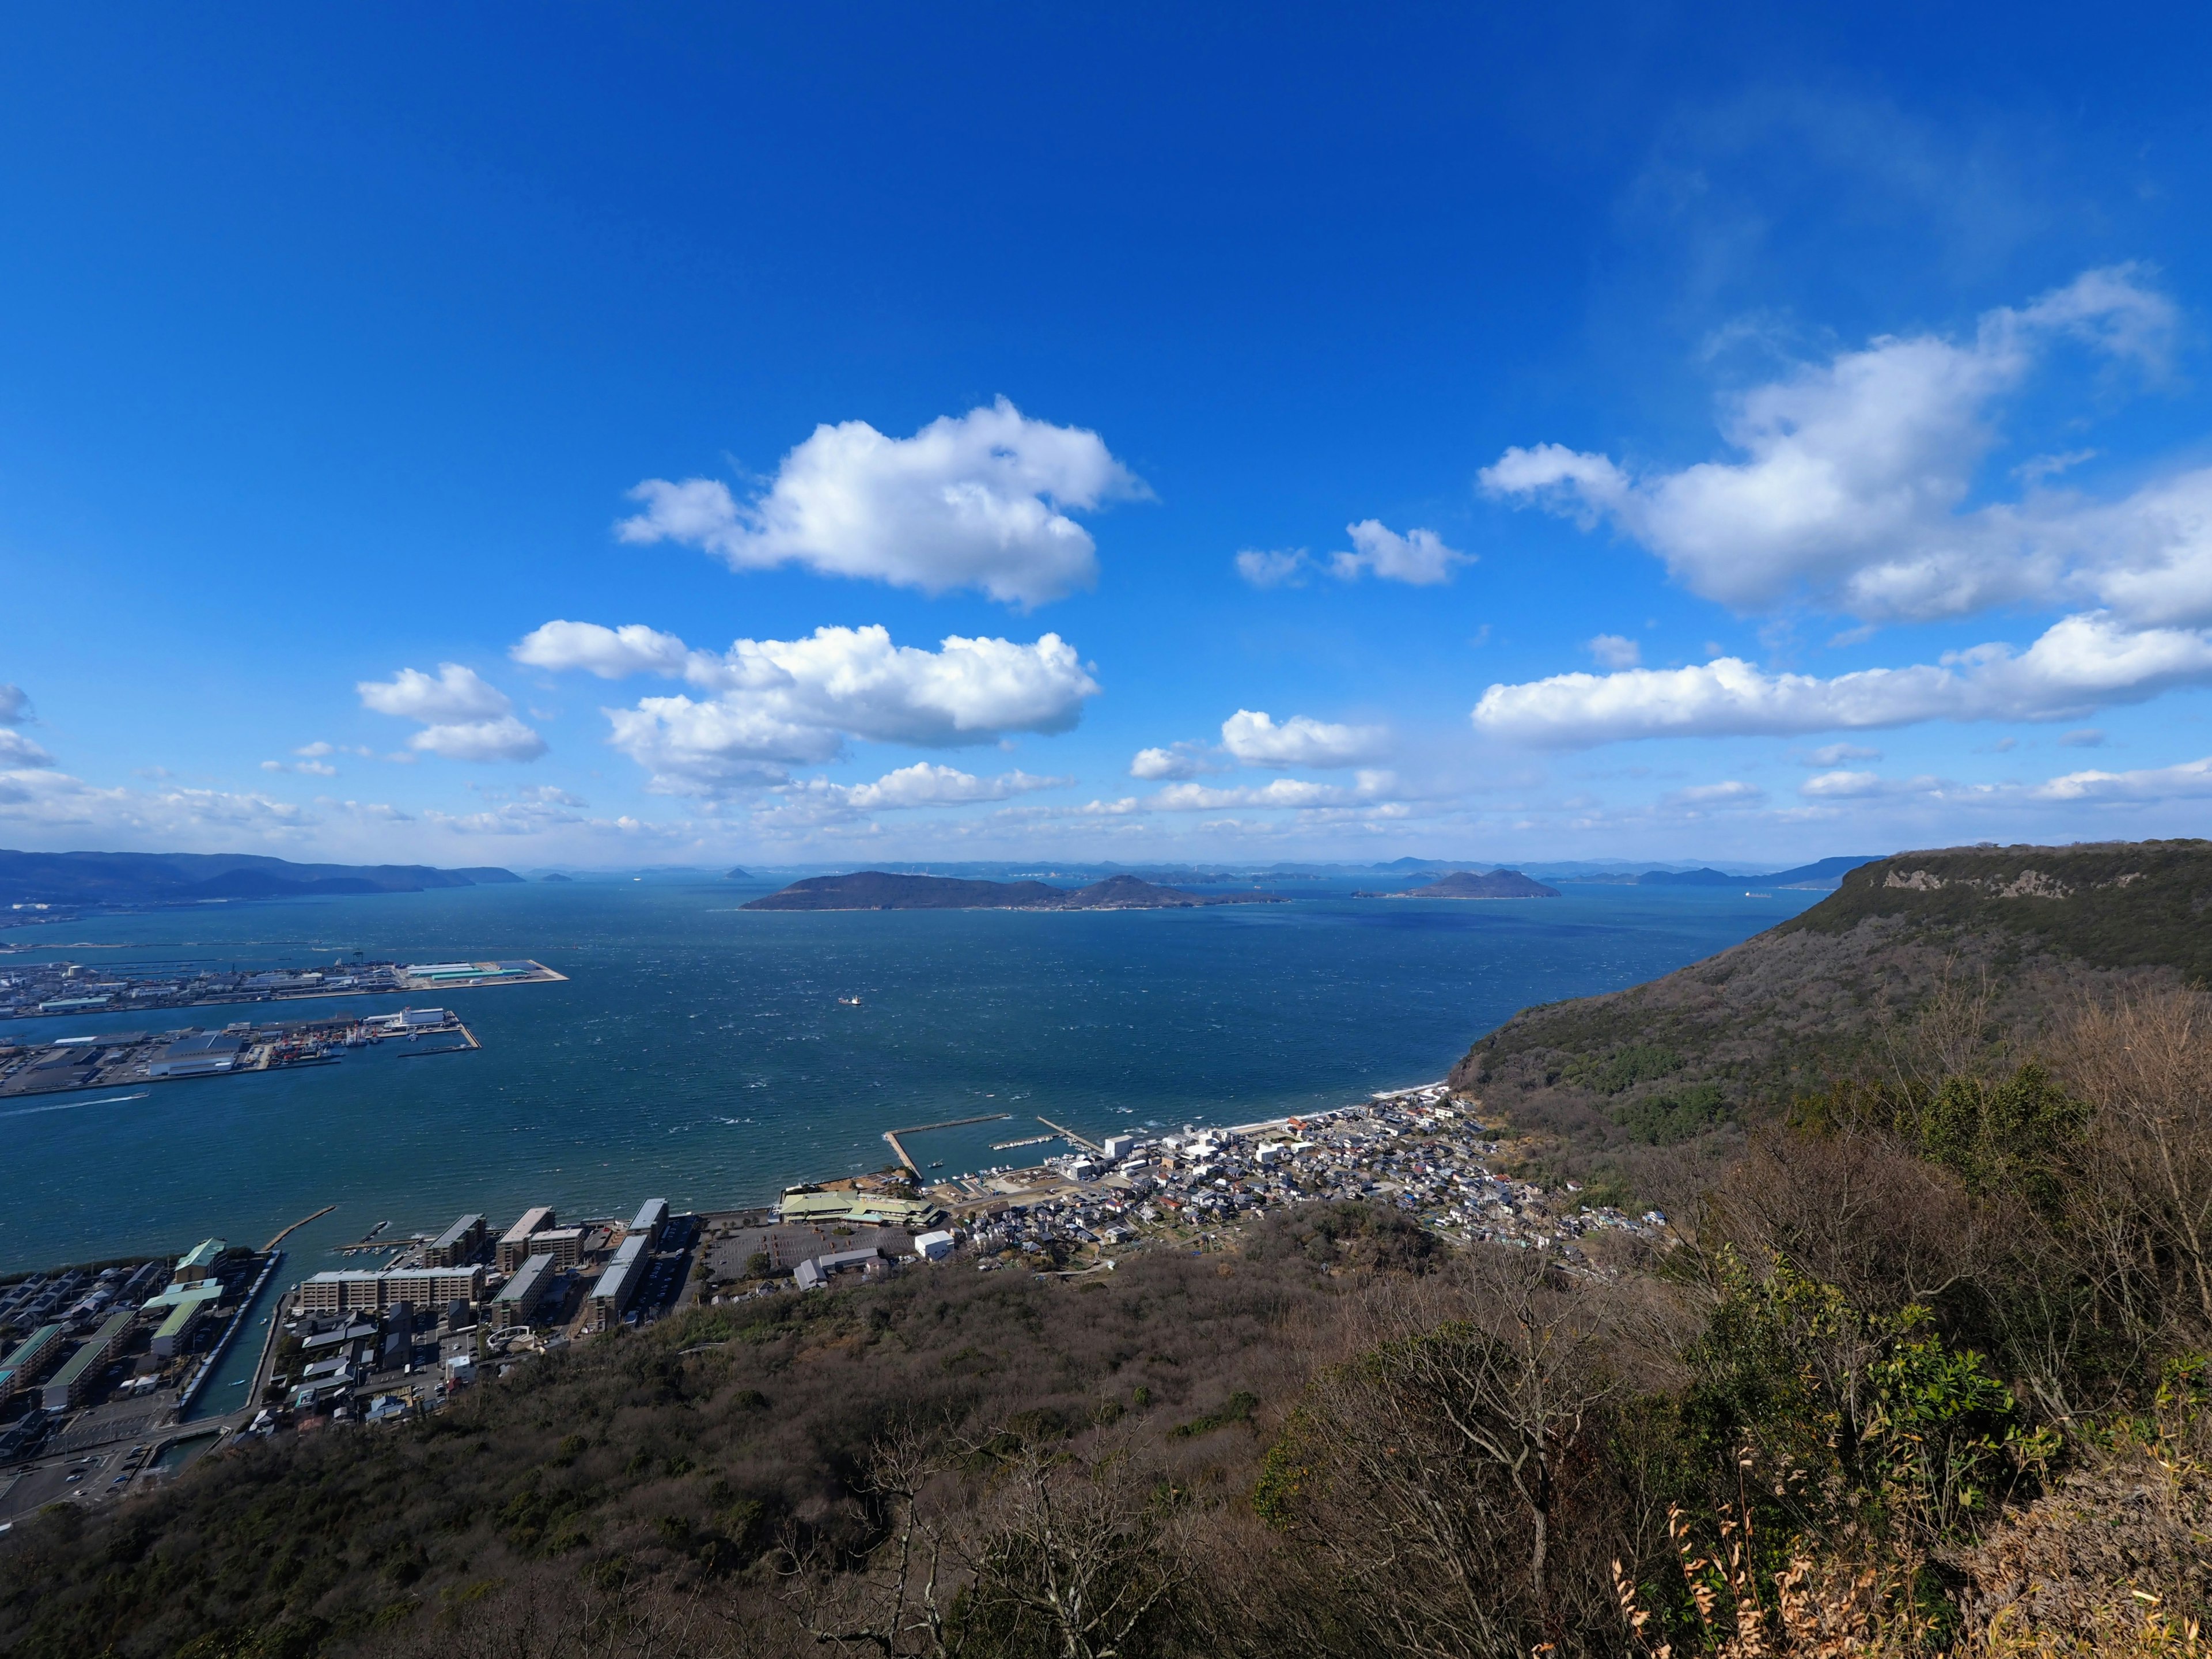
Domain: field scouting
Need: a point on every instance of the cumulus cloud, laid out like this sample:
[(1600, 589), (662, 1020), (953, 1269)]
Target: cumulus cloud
[(1419, 557), (613, 653), (1253, 737), (1855, 470), (767, 705), (2080, 662), (1275, 568), (923, 784), (1616, 651), (1181, 760), (311, 768), (979, 501), (16, 750), (464, 717)]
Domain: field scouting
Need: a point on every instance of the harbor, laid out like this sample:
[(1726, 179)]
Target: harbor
[(34, 990), (134, 1059)]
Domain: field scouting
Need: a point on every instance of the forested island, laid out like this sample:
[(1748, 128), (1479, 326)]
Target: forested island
[(878, 890), (1915, 1366), (1465, 884)]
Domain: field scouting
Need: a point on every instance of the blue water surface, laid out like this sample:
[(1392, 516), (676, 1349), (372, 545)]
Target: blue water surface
[(699, 1052)]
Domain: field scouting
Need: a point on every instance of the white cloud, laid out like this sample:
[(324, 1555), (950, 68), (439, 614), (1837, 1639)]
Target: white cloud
[(2089, 738), (1282, 792), (1253, 737), (1419, 557), (311, 768), (1835, 754), (464, 717), (1616, 651), (1866, 786), (2079, 664), (1701, 798), (1856, 471), (925, 783), (2192, 780), (1181, 759), (457, 693), (16, 750), (772, 704), (610, 652), (1275, 568), (54, 801), (978, 501)]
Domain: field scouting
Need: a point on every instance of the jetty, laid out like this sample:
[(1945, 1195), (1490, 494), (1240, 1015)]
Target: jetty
[(1069, 1134)]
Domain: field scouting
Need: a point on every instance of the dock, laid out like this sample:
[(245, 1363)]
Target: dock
[(892, 1135)]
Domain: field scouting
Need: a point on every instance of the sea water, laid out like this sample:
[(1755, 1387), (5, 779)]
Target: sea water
[(712, 1056)]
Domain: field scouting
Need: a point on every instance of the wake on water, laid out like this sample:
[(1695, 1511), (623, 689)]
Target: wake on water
[(72, 1105)]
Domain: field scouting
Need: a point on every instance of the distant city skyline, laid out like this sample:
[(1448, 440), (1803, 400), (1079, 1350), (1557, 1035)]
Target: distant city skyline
[(705, 437)]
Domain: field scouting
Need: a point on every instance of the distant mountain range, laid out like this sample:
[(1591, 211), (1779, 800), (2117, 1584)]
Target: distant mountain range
[(880, 889), (165, 877), (1826, 873)]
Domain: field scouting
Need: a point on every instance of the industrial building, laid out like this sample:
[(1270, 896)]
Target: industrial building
[(459, 1245), (32, 1359), (515, 1246), (201, 1056), (618, 1282), (518, 1301), (65, 1389), (345, 1290)]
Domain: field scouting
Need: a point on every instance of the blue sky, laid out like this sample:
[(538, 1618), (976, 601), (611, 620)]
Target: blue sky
[(1015, 432)]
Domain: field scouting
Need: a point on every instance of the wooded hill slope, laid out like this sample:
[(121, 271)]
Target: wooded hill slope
[(1647, 1088)]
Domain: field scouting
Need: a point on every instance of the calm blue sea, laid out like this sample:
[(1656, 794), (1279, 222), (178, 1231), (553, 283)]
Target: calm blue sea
[(699, 1053)]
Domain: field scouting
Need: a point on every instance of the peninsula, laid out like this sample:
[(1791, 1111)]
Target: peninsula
[(878, 890)]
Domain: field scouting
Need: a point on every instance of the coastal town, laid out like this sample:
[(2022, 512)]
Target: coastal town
[(106, 1373)]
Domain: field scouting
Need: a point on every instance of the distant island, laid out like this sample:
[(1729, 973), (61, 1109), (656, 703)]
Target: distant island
[(134, 878), (556, 876), (878, 890), (737, 875), (1465, 884)]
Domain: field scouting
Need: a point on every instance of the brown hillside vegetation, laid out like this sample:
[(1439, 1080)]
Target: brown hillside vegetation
[(1927, 1370), (1655, 1087), (1927, 1376)]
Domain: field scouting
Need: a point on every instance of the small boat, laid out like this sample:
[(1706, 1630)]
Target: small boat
[(848, 1002), (939, 1164)]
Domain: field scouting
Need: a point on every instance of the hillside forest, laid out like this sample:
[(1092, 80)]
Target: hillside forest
[(1923, 1369)]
